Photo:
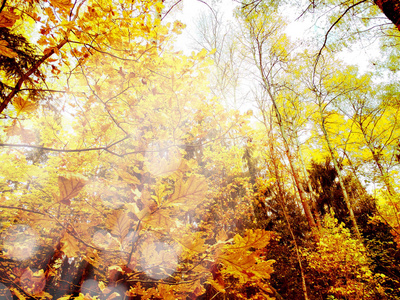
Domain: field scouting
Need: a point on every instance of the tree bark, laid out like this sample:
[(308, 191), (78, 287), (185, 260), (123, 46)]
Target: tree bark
[(391, 9)]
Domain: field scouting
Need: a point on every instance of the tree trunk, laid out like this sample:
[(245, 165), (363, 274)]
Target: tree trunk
[(339, 173), (391, 9), (283, 207)]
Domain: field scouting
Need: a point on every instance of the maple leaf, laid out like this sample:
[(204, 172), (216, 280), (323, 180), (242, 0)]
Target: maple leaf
[(193, 242), (22, 105), (238, 262), (70, 187), (262, 269)]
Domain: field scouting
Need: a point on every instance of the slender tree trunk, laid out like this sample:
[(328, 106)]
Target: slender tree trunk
[(383, 173), (339, 173), (294, 171), (312, 193), (268, 85), (281, 200)]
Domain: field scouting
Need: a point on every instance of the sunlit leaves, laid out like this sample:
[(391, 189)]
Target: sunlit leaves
[(22, 105), (7, 18), (188, 194), (6, 51), (119, 224), (345, 260), (70, 245)]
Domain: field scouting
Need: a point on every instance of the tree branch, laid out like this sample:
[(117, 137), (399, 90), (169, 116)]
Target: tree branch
[(17, 88), (3, 5)]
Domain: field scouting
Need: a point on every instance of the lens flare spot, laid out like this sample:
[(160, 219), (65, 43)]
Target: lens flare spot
[(20, 242), (159, 260), (5, 292)]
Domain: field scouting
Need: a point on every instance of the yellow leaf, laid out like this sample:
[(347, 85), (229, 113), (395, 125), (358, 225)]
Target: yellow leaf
[(6, 51), (193, 243), (222, 236), (70, 187), (128, 177), (70, 245), (119, 224), (22, 105), (61, 4), (257, 238), (189, 194), (17, 293), (7, 19)]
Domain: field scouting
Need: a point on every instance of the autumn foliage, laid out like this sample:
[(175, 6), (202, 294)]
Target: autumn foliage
[(124, 176)]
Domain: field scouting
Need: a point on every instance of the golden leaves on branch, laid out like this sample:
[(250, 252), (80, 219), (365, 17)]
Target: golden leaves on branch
[(243, 259), (7, 19), (187, 196)]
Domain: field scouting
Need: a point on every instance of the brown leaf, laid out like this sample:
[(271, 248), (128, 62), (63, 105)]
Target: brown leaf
[(119, 224), (70, 187), (13, 129), (32, 282)]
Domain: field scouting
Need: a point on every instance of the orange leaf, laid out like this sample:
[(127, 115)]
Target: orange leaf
[(61, 4), (6, 51), (22, 105), (7, 19), (119, 223), (69, 245)]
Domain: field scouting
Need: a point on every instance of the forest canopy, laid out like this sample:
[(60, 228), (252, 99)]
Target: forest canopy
[(260, 166)]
